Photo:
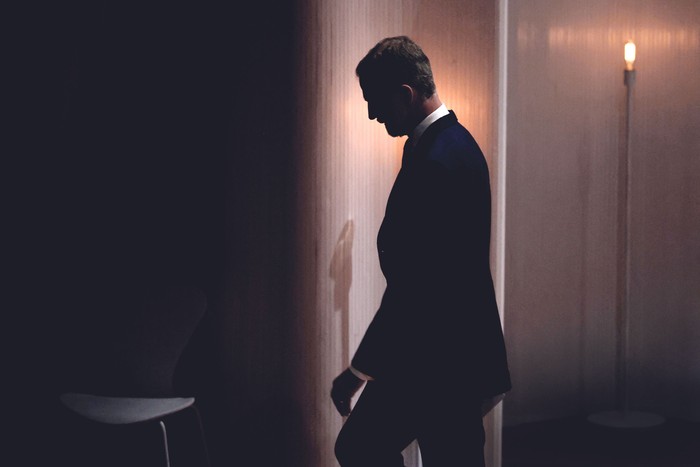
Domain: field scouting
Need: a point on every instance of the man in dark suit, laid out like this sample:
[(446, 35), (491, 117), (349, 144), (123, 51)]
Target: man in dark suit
[(433, 356)]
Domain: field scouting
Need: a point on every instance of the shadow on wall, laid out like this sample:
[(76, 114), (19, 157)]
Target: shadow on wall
[(341, 273)]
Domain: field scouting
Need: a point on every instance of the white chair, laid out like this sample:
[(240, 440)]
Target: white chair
[(147, 348)]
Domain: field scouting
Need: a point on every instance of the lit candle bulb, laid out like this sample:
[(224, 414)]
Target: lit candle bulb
[(630, 55)]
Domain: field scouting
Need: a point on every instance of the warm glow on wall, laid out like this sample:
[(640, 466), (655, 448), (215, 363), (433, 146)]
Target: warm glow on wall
[(630, 54)]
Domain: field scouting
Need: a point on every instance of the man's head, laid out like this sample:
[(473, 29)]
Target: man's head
[(396, 81)]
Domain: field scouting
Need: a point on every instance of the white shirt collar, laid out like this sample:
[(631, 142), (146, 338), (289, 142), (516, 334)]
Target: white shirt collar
[(427, 121)]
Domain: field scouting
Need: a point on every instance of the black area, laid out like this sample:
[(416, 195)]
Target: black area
[(575, 442), (115, 168)]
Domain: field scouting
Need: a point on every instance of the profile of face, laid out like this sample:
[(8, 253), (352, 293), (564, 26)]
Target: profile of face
[(389, 107)]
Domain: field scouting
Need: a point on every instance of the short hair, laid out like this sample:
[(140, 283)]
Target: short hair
[(396, 61)]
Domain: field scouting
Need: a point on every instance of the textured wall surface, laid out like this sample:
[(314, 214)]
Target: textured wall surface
[(565, 120)]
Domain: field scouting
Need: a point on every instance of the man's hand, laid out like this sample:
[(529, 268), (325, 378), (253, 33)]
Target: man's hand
[(344, 387)]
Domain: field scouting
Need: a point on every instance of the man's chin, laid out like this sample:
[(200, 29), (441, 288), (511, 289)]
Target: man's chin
[(392, 131)]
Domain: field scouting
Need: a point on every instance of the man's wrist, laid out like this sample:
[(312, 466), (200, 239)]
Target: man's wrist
[(360, 374)]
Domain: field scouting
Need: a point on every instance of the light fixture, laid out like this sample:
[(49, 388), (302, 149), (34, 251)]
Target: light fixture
[(630, 55)]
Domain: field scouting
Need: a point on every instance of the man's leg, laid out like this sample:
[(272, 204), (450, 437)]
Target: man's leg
[(452, 435), (380, 427)]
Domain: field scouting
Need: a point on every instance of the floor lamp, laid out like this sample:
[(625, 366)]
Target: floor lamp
[(623, 417)]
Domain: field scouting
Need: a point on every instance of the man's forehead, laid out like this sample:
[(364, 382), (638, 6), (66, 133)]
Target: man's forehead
[(371, 90)]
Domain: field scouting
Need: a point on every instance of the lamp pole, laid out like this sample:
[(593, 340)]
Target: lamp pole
[(624, 208), (623, 417)]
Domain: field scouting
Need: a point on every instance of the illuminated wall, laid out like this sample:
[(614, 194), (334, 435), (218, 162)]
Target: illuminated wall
[(347, 165), (564, 133)]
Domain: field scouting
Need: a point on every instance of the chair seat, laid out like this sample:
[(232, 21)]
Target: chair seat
[(123, 410)]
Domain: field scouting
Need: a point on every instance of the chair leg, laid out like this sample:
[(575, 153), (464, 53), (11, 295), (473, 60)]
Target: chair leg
[(201, 432), (165, 442)]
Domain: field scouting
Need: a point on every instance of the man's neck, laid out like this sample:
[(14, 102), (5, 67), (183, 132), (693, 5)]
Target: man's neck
[(430, 105), (425, 108), (434, 115)]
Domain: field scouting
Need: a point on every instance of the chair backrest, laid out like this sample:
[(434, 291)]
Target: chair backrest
[(147, 338)]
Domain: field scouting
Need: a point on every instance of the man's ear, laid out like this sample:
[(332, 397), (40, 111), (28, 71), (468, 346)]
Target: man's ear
[(408, 95)]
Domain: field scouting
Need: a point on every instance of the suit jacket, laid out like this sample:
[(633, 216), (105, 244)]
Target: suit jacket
[(438, 320)]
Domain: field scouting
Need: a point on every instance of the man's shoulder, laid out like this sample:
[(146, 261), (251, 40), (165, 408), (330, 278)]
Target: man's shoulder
[(454, 147)]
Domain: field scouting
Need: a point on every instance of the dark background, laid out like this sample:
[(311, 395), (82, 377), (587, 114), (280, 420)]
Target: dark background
[(145, 138)]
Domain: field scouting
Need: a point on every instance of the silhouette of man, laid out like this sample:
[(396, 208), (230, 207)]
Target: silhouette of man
[(433, 357)]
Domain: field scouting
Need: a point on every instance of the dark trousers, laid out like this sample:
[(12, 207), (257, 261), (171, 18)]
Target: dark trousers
[(388, 417)]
